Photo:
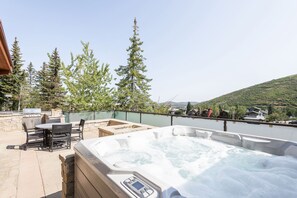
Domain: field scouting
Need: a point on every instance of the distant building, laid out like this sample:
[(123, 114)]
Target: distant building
[(224, 114), (255, 113), (175, 111), (206, 113), (193, 112)]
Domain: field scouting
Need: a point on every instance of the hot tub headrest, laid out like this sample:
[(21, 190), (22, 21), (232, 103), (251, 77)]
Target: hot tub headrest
[(291, 150), (202, 134), (229, 138), (183, 131)]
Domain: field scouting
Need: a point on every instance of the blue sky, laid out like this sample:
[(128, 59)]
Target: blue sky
[(195, 50)]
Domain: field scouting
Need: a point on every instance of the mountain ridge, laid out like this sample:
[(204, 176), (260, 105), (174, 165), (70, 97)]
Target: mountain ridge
[(281, 92)]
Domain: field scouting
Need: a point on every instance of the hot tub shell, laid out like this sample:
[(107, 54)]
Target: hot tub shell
[(95, 177)]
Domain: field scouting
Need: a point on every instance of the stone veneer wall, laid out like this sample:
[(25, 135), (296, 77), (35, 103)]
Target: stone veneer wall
[(67, 173), (93, 125), (11, 123)]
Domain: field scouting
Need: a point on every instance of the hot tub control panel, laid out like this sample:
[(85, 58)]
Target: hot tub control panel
[(140, 188)]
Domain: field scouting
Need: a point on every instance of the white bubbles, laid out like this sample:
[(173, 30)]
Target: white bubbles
[(104, 147), (204, 168), (129, 158)]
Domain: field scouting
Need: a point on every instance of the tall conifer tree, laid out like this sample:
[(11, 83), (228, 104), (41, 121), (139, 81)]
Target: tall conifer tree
[(189, 108), (49, 83), (29, 93), (42, 84), (133, 87), (11, 85), (55, 89), (31, 75)]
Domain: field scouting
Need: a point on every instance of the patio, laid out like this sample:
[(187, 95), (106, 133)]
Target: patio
[(31, 173)]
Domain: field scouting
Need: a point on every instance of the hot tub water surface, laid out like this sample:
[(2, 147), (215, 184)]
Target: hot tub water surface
[(180, 161), (206, 168)]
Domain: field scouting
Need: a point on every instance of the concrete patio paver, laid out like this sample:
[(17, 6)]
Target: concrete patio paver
[(50, 167), (30, 181), (32, 173), (9, 164)]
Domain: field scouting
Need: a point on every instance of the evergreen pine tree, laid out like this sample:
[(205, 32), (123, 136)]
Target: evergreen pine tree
[(87, 82), (42, 84), (5, 92), (54, 87), (11, 85), (49, 84), (189, 108), (29, 93), (31, 75), (133, 87), (270, 109)]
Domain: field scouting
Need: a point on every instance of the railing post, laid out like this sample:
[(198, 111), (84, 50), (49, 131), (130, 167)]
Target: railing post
[(225, 125), (171, 121), (66, 114), (94, 115), (114, 115), (126, 115), (140, 117), (69, 119)]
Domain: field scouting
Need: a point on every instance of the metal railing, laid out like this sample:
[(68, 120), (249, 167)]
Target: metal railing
[(140, 117), (272, 130)]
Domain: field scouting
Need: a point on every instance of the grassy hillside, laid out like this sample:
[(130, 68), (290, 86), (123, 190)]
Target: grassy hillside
[(281, 92), (178, 104)]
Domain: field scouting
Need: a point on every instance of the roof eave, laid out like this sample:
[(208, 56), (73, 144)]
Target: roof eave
[(5, 60)]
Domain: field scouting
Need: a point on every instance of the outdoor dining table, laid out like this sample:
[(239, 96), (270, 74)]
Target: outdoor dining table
[(47, 127)]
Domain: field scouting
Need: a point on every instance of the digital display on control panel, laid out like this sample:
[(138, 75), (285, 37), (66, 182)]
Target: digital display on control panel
[(137, 185)]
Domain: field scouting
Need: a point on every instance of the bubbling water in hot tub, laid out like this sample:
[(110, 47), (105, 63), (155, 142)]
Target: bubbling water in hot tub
[(205, 168)]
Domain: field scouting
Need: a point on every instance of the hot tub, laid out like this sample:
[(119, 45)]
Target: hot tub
[(180, 161)]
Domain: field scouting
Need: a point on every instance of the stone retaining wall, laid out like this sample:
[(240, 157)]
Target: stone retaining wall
[(11, 123), (93, 125)]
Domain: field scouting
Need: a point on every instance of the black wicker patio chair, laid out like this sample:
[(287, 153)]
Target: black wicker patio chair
[(78, 132), (33, 137), (60, 134)]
